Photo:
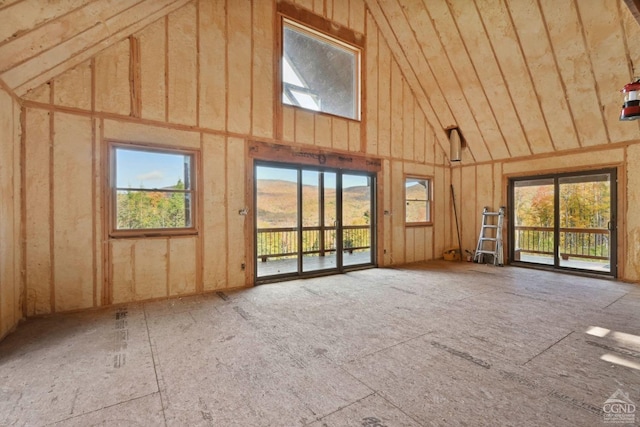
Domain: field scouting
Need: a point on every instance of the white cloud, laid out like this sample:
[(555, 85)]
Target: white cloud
[(150, 176)]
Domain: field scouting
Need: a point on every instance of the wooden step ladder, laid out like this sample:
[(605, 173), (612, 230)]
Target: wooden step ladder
[(489, 242)]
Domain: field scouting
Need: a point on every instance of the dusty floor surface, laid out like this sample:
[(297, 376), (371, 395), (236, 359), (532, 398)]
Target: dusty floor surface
[(432, 344)]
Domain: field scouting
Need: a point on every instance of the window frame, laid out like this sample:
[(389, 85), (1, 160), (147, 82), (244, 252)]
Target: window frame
[(112, 189), (429, 200), (330, 37)]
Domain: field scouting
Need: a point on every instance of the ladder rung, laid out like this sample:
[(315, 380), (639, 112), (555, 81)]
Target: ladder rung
[(492, 213), (490, 239), (490, 226), (486, 252)]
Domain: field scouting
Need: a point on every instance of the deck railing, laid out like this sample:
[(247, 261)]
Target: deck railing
[(283, 241), (592, 243)]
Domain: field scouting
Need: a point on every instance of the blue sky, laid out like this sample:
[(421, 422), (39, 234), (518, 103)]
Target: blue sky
[(147, 169)]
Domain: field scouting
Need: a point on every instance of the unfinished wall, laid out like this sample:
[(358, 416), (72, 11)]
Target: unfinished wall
[(486, 185), (10, 248), (201, 78)]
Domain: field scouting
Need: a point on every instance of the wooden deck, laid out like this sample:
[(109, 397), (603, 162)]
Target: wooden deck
[(582, 264), (311, 263)]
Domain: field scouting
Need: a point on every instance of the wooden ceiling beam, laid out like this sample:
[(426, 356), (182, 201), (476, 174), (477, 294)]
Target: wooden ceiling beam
[(634, 7), (48, 64)]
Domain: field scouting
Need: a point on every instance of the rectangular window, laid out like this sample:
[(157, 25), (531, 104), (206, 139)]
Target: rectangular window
[(418, 200), (319, 72), (152, 189)]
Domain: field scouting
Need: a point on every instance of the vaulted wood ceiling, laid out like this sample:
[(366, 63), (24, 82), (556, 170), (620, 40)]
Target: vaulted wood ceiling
[(519, 77)]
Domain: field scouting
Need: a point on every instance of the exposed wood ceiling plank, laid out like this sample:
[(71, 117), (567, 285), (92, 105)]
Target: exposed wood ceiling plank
[(409, 73), (575, 70), (480, 51), (414, 16), (26, 15), (510, 60), (46, 36), (43, 67), (540, 62)]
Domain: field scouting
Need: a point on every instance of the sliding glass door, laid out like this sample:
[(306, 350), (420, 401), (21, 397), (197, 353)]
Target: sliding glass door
[(311, 221), (357, 231), (566, 221)]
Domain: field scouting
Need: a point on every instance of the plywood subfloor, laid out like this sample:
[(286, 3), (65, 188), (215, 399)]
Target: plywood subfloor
[(430, 344)]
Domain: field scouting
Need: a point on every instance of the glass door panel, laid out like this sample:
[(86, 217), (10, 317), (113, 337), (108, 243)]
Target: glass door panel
[(566, 221), (533, 221), (585, 218), (318, 221), (356, 226), (276, 193)]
